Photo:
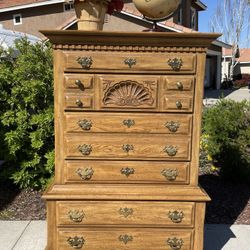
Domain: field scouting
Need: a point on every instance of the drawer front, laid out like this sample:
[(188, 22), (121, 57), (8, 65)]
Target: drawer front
[(124, 239), (128, 123), (154, 214), (120, 146), (78, 82), (169, 62), (126, 172), (178, 103), (179, 83), (78, 102)]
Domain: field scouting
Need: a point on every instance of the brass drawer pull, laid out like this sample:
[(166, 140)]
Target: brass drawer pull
[(174, 243), (178, 104), (79, 103), (125, 238), (76, 215), (85, 62), (171, 150), (127, 171), (176, 216), (85, 173), (172, 126), (79, 84), (170, 174), (127, 147), (130, 62), (175, 63), (129, 123), (85, 149), (85, 124), (179, 85), (76, 242), (126, 211)]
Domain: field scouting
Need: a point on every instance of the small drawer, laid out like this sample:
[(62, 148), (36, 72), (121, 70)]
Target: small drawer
[(128, 123), (179, 83), (153, 214), (78, 81), (126, 172), (124, 239), (178, 103), (78, 102), (120, 146)]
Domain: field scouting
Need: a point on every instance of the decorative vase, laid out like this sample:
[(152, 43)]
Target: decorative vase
[(90, 14)]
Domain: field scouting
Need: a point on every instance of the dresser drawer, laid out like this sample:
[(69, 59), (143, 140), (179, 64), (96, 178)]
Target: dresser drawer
[(167, 62), (128, 123), (78, 82), (179, 83), (121, 146), (126, 172), (178, 103), (78, 101), (124, 239)]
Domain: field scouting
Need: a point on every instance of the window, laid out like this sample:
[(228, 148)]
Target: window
[(68, 6), (17, 19), (193, 18), (180, 16)]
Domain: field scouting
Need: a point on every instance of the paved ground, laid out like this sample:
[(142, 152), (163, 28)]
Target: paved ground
[(31, 235)]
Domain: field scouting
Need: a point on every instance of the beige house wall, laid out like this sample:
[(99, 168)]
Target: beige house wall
[(245, 68)]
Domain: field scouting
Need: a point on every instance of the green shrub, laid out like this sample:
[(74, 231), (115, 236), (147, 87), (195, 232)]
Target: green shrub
[(26, 114), (226, 127)]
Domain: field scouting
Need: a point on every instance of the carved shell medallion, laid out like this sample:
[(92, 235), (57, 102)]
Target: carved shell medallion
[(128, 93)]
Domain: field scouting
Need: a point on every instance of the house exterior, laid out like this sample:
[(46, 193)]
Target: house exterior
[(30, 16)]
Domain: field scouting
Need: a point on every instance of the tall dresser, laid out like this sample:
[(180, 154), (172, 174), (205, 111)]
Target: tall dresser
[(127, 129)]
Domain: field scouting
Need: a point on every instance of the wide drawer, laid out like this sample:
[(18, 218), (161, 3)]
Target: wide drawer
[(153, 214), (126, 172), (128, 123), (121, 146), (169, 62), (124, 239)]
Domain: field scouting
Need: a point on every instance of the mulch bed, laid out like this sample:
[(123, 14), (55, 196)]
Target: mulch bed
[(230, 202)]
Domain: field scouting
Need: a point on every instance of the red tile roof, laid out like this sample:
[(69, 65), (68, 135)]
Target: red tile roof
[(12, 3)]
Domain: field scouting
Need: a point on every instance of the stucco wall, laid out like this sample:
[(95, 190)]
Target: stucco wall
[(245, 68)]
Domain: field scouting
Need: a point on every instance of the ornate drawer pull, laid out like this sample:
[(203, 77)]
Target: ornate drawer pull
[(126, 211), (76, 242), (85, 173), (175, 243), (79, 103), (127, 171), (176, 216), (179, 85), (85, 124), (85, 149), (178, 104), (129, 123), (125, 238), (171, 150), (76, 215), (85, 62), (127, 148), (175, 63), (130, 62), (172, 126), (170, 174)]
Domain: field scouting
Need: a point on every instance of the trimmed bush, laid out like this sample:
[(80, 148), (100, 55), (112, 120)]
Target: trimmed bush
[(26, 114)]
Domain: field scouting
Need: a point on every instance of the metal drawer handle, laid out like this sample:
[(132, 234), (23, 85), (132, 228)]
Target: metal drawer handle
[(130, 62), (85, 124), (76, 242), (76, 215), (170, 174), (129, 123), (127, 171), (85, 62), (85, 173), (126, 211), (176, 216), (172, 126), (127, 147), (85, 149), (175, 63), (179, 85), (171, 150), (178, 104), (125, 238), (79, 103), (174, 243), (79, 84)]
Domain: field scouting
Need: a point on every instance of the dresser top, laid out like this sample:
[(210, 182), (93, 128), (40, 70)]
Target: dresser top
[(130, 38)]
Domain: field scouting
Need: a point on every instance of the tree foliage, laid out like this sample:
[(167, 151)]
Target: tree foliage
[(26, 114)]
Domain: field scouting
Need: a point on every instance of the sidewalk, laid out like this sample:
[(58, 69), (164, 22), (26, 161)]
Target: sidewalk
[(31, 235)]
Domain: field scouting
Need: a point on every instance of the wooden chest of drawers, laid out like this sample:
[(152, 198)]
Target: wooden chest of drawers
[(127, 127)]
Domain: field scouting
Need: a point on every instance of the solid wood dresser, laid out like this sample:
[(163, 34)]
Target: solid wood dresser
[(127, 129)]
